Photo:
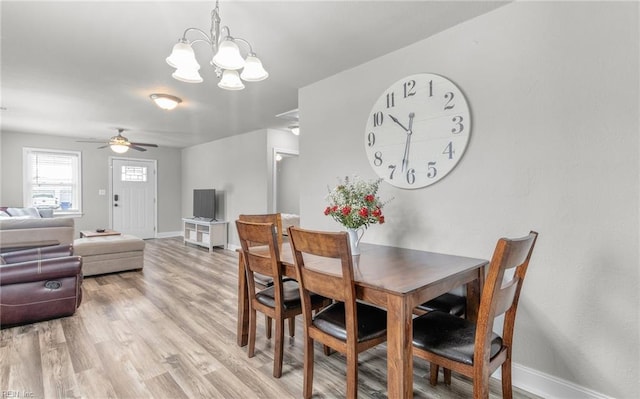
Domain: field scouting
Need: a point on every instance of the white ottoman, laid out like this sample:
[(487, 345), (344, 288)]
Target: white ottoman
[(109, 254)]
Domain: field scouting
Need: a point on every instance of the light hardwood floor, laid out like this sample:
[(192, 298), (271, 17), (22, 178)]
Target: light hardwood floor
[(169, 332)]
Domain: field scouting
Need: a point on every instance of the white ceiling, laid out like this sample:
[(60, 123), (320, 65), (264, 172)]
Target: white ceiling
[(82, 69)]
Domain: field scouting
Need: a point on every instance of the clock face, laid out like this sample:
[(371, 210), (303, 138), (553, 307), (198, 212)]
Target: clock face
[(417, 131)]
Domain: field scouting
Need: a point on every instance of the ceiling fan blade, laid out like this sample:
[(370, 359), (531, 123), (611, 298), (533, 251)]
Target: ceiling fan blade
[(103, 146), (90, 141), (136, 147), (145, 144)]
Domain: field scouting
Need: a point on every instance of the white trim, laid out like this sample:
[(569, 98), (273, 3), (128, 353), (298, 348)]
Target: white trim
[(548, 386)]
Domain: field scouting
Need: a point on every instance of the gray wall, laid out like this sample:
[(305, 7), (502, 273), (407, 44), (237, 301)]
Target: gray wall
[(95, 176), (288, 185), (239, 168), (553, 91)]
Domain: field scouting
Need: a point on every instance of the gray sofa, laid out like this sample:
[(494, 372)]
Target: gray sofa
[(22, 231)]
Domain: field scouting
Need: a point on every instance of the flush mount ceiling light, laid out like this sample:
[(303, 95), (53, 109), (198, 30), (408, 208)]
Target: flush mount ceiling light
[(226, 59), (165, 101)]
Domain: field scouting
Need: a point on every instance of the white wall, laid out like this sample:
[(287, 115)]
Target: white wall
[(553, 90)]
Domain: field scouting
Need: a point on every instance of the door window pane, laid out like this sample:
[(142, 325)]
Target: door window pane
[(134, 173)]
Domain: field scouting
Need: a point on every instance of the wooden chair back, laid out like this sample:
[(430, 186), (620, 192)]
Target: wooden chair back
[(274, 218), (500, 296), (339, 287), (260, 234)]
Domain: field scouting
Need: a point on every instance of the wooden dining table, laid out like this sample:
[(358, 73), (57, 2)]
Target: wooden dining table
[(397, 279)]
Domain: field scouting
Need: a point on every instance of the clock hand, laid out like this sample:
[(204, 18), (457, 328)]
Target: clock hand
[(405, 158), (398, 122)]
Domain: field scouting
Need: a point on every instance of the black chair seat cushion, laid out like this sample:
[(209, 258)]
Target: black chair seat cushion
[(372, 322), (291, 296), (448, 303), (449, 336), (267, 281)]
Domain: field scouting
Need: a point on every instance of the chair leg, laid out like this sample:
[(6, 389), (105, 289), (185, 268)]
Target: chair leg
[(278, 350), (252, 333), (433, 368), (292, 326), (267, 326), (507, 388), (308, 368), (447, 376), (481, 386), (352, 373)]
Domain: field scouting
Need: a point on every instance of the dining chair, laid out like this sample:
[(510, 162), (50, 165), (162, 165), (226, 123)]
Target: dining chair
[(261, 280), (281, 300), (473, 349), (346, 325)]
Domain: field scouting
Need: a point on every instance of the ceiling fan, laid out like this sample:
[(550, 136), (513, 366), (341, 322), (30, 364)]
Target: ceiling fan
[(120, 144)]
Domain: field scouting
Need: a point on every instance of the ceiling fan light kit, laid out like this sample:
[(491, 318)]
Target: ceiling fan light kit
[(165, 101), (226, 57), (119, 148), (120, 144)]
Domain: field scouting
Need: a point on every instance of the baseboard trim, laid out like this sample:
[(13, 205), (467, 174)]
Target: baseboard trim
[(548, 386), (168, 234)]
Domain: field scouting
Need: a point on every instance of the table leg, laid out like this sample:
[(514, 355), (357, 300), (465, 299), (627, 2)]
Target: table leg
[(399, 348), (474, 292), (243, 304)]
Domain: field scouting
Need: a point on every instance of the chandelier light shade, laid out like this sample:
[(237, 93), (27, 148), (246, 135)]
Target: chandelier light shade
[(187, 76), (182, 56), (165, 101), (253, 70), (230, 80), (226, 57)]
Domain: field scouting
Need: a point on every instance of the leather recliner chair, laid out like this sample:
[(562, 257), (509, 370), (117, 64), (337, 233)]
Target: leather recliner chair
[(39, 284)]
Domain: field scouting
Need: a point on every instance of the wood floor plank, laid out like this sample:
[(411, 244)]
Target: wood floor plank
[(168, 331)]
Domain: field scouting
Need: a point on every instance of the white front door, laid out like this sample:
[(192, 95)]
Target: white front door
[(133, 196)]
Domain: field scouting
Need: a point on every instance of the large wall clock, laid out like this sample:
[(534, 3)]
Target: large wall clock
[(417, 131)]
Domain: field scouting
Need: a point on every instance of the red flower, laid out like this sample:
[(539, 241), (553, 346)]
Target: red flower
[(327, 210), (369, 198), (364, 212), (377, 212), (334, 208), (381, 219), (346, 210)]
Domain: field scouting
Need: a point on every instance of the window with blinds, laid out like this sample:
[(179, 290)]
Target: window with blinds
[(52, 180)]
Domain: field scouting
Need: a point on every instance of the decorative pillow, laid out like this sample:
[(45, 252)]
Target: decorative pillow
[(31, 212)]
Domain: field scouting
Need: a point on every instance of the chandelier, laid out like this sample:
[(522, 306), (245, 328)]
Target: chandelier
[(226, 60)]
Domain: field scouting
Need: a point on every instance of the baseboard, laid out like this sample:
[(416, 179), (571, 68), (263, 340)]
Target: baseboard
[(168, 234), (548, 386), (233, 247)]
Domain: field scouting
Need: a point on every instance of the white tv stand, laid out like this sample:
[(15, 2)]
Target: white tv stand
[(205, 233)]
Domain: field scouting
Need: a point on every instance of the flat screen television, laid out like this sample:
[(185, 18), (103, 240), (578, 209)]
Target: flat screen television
[(204, 204)]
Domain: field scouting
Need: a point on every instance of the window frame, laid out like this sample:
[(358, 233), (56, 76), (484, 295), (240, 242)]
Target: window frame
[(27, 185)]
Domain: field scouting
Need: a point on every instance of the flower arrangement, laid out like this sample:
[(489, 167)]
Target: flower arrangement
[(354, 203)]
